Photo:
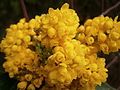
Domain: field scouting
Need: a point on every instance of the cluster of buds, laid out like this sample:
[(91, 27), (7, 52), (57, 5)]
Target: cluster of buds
[(52, 52)]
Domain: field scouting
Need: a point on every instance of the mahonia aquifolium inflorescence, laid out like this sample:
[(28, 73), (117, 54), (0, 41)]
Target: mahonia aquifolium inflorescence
[(53, 52), (102, 33)]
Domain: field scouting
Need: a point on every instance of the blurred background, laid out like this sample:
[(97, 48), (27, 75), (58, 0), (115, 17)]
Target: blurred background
[(11, 11)]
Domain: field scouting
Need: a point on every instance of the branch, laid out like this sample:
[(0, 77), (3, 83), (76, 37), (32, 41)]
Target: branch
[(111, 8), (24, 9), (71, 2), (118, 88), (112, 62)]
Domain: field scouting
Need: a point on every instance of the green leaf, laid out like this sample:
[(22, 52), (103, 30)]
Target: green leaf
[(105, 86)]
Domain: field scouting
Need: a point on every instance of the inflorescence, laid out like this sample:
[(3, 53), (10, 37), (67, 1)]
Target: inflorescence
[(54, 52)]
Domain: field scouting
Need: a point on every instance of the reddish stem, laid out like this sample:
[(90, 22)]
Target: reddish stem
[(24, 9), (71, 2), (118, 88), (111, 8), (112, 62)]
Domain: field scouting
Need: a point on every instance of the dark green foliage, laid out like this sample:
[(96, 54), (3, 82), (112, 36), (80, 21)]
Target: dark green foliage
[(43, 53), (105, 86)]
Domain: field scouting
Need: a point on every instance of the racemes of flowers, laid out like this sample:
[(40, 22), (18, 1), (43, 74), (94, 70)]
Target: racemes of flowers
[(54, 52)]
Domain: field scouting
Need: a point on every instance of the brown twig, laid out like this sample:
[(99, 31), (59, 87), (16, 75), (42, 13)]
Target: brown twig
[(71, 2), (118, 88), (111, 8), (112, 62), (24, 9)]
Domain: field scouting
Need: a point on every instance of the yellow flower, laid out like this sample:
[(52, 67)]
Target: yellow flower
[(22, 85), (104, 48), (108, 24), (81, 37), (31, 87), (63, 71), (81, 29), (63, 65), (27, 38), (88, 22), (51, 32), (52, 76), (93, 67), (56, 26), (14, 48), (89, 40), (19, 34), (37, 82), (114, 35), (99, 32), (28, 77), (33, 24), (13, 26), (59, 57), (11, 74), (18, 42), (52, 48), (102, 37)]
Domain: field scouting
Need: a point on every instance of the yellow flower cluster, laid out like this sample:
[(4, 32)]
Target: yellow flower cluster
[(21, 61), (63, 62), (73, 61), (102, 33), (44, 51), (56, 28)]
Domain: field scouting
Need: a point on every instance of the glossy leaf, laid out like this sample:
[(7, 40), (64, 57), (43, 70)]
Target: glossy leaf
[(105, 86)]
